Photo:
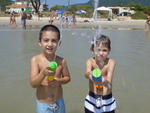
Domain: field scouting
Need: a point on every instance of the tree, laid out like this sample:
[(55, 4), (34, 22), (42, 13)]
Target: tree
[(36, 5), (147, 10), (56, 7), (4, 3), (136, 7)]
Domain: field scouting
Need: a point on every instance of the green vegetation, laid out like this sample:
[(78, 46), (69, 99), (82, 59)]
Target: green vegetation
[(139, 15), (4, 3), (147, 10), (119, 2), (141, 11), (56, 7), (86, 8), (74, 8)]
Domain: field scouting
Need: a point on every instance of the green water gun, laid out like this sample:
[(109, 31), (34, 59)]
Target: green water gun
[(97, 76), (53, 66)]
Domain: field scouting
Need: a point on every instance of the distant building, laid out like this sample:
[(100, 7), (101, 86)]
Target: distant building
[(18, 6), (24, 4), (117, 10)]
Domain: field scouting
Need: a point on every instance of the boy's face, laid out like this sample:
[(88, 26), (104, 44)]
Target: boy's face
[(101, 52), (49, 42)]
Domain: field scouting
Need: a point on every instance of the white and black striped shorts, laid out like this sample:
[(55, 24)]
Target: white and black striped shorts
[(99, 104)]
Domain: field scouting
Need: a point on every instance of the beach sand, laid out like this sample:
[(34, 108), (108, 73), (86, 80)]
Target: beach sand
[(116, 23)]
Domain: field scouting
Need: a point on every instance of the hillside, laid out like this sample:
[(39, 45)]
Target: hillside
[(119, 2)]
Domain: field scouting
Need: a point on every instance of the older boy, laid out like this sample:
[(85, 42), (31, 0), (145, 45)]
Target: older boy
[(49, 94)]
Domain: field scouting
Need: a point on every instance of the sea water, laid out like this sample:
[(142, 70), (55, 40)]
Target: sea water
[(130, 49)]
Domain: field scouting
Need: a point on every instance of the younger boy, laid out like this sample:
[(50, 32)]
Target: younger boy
[(100, 99), (49, 94)]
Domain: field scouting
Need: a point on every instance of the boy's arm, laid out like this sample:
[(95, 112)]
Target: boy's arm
[(35, 77), (88, 69), (110, 73), (65, 72)]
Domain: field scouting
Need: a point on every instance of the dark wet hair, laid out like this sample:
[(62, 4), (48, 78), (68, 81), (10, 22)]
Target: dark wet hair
[(49, 28), (102, 39)]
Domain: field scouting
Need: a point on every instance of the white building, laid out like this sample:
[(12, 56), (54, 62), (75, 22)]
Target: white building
[(117, 10), (24, 4), (18, 6)]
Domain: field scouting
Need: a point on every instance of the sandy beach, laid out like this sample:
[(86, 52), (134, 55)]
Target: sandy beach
[(123, 23)]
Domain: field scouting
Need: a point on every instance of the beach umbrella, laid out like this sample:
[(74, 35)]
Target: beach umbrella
[(27, 11), (81, 12), (60, 12)]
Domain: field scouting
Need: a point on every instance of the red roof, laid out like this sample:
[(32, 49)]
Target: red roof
[(18, 5)]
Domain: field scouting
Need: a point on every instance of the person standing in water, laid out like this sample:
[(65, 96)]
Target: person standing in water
[(147, 23), (49, 93), (23, 18), (12, 19), (100, 99), (74, 20)]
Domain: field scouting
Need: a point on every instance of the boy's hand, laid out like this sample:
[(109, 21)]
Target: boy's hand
[(98, 83), (48, 72), (54, 82), (107, 84)]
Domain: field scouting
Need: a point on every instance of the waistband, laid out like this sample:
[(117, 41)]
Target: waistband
[(102, 96)]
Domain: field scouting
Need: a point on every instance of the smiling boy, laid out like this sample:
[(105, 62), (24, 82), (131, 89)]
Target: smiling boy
[(49, 94)]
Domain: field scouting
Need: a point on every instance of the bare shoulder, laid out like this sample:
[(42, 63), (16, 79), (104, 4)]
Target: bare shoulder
[(111, 62), (35, 58), (90, 60)]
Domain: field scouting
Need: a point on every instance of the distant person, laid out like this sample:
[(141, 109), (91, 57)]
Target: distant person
[(39, 15), (49, 92), (12, 19), (147, 23), (11, 15), (66, 21), (52, 18), (100, 98), (74, 20), (23, 18), (69, 20)]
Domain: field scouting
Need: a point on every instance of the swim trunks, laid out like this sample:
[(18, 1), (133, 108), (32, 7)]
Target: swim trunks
[(99, 104), (23, 22), (57, 107)]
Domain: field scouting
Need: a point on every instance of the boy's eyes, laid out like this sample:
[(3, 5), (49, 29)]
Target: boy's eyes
[(54, 40), (46, 40), (104, 50)]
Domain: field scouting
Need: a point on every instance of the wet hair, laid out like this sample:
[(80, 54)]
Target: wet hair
[(104, 40), (49, 28)]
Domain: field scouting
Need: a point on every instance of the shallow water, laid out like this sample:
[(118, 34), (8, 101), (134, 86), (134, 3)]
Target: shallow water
[(130, 48)]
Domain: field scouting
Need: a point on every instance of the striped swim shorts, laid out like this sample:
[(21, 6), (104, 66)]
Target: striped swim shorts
[(99, 104)]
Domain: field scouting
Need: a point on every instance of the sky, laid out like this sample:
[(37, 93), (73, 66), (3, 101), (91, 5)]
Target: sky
[(63, 2)]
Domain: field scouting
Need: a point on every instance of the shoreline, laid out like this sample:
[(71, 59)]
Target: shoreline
[(114, 24)]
